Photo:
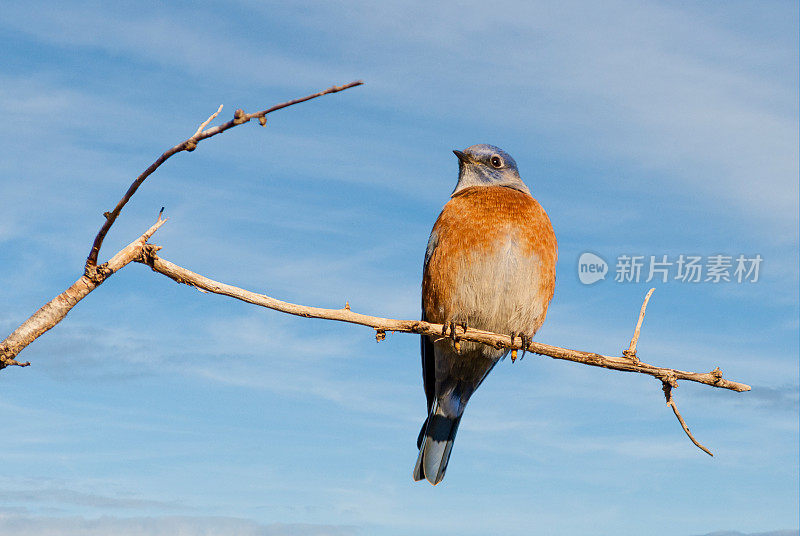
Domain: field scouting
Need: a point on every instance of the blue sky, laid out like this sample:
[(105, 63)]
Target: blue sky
[(643, 128)]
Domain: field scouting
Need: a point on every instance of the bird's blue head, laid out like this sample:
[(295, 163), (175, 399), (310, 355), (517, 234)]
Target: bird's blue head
[(487, 165)]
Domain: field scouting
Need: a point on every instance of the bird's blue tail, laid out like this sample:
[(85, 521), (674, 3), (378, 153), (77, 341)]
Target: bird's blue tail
[(435, 443)]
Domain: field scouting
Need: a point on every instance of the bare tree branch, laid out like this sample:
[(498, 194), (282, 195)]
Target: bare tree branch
[(667, 386), (56, 309), (669, 380), (189, 144), (382, 325), (631, 351)]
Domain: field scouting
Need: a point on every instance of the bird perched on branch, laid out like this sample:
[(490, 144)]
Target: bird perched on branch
[(490, 265)]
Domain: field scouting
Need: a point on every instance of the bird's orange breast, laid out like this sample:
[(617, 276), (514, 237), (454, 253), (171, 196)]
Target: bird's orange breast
[(492, 248)]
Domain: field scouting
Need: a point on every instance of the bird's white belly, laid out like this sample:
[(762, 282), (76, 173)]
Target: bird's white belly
[(498, 292)]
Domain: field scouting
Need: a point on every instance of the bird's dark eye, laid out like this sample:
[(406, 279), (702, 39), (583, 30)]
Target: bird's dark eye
[(496, 161)]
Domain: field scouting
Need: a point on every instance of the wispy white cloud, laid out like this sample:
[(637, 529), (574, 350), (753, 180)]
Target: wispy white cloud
[(191, 41), (721, 127), (272, 353), (65, 497), (21, 525), (787, 532), (644, 95)]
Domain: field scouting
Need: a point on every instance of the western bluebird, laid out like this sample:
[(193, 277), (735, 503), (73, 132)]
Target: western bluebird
[(491, 265)]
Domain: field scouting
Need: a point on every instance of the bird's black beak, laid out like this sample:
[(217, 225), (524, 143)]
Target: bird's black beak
[(462, 156)]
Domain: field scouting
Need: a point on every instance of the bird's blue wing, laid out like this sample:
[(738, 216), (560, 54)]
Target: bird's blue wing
[(426, 346), (428, 368)]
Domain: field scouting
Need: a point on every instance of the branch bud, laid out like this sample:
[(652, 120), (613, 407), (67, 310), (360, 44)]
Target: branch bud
[(239, 117)]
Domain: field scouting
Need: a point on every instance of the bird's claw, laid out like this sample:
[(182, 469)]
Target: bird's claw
[(526, 340), (513, 350), (451, 327)]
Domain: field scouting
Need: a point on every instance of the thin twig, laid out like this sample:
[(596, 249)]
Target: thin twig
[(667, 386), (621, 363), (277, 107), (10, 362), (631, 351), (187, 145), (205, 123)]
